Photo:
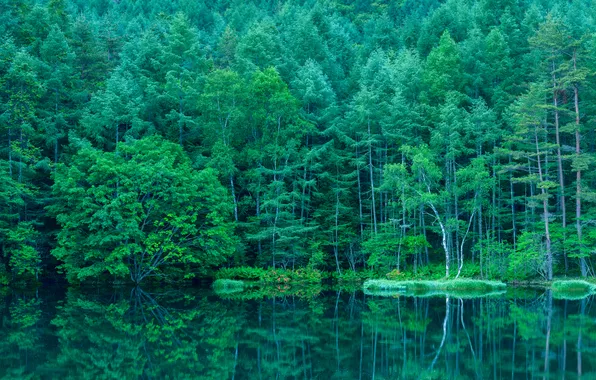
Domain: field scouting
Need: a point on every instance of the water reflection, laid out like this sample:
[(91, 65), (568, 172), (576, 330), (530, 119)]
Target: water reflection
[(129, 334)]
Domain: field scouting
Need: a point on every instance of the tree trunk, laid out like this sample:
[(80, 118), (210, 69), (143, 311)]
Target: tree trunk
[(549, 257), (336, 245), (9, 153), (21, 142), (559, 162), (234, 198), (372, 181), (578, 190), (444, 240), (458, 253), (463, 241), (512, 208), (359, 194)]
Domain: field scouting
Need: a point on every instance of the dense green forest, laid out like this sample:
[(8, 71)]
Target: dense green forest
[(167, 139)]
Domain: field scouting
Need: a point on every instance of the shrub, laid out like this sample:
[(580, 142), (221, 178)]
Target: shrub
[(351, 276), (470, 270), (528, 260), (395, 275), (4, 275), (276, 276), (426, 272), (311, 276), (284, 276)]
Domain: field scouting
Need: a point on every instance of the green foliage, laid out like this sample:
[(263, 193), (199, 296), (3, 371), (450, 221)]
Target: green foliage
[(497, 259), (526, 262), (299, 276), (4, 276), (343, 135), (240, 273), (426, 272), (24, 258), (138, 212), (352, 277), (380, 249), (395, 275)]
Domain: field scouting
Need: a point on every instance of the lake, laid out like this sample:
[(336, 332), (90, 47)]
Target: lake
[(193, 333)]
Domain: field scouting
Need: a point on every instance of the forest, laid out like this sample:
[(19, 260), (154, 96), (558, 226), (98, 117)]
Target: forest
[(167, 140)]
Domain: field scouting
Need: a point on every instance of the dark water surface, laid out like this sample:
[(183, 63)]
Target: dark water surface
[(58, 333)]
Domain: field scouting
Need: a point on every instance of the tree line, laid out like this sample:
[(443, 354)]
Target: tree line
[(169, 138)]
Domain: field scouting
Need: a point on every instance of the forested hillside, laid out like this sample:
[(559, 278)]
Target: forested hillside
[(414, 137)]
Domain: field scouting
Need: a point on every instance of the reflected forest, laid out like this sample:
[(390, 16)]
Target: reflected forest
[(339, 334)]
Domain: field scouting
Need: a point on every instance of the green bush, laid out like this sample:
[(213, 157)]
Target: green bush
[(528, 260), (395, 275), (4, 275), (311, 276), (426, 272), (470, 270), (351, 277), (276, 276), (284, 276)]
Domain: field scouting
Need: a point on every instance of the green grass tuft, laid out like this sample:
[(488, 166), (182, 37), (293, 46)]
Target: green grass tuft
[(572, 289), (461, 288)]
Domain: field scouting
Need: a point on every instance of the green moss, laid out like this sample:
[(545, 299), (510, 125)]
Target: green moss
[(572, 289), (461, 288)]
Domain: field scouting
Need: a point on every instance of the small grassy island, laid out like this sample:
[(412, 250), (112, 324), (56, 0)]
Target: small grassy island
[(572, 289), (462, 288)]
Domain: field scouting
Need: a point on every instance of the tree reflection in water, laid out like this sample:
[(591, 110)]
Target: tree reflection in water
[(137, 333)]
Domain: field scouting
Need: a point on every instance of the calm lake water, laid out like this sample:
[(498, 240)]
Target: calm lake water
[(335, 334)]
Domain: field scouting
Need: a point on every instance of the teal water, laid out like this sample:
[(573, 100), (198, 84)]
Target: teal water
[(336, 334)]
